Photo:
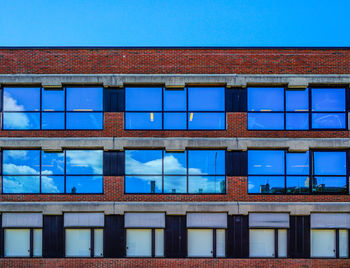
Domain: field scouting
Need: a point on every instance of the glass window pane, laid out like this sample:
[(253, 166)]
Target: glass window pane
[(343, 244), (206, 99), (220, 243), (175, 121), (206, 184), (53, 100), (324, 120), (98, 243), (25, 121), (266, 121), (297, 163), (143, 99), (17, 243), (84, 120), (329, 185), (139, 242), (52, 184), (84, 99), (297, 100), (52, 120), (265, 99), (84, 162), (52, 163), (175, 184), (267, 162), (37, 242), (323, 243), (21, 162), (143, 120), (200, 243), (84, 184), (143, 184), (175, 100), (262, 243), (297, 121), (175, 163), (206, 121), (207, 162), (330, 163), (78, 242), (298, 184), (143, 162), (265, 185), (159, 243), (328, 99), (21, 99), (282, 243), (21, 184)]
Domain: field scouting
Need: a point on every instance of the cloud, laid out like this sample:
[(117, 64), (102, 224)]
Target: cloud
[(22, 184), (17, 169), (48, 185), (86, 159), (10, 104)]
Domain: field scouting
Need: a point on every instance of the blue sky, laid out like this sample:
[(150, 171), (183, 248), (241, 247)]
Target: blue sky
[(174, 23)]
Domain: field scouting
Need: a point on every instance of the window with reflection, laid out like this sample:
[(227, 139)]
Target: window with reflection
[(35, 171), (24, 242), (158, 108), (158, 171)]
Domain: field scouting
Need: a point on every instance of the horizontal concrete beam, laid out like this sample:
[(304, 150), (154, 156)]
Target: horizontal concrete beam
[(175, 208)]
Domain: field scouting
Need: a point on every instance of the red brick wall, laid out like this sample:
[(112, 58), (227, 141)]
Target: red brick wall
[(175, 61)]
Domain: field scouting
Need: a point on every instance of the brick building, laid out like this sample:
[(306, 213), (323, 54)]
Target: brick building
[(154, 157)]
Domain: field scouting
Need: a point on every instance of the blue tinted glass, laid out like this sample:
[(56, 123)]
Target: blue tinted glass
[(206, 120), (297, 121), (143, 184), (84, 161), (267, 162), (52, 184), (175, 100), (21, 120), (329, 185), (175, 163), (297, 100), (143, 99), (21, 184), (175, 120), (143, 120), (297, 184), (53, 100), (297, 163), (21, 99), (84, 120), (330, 163), (206, 99), (324, 120), (175, 184), (52, 163), (52, 120), (84, 99), (209, 162), (270, 121), (265, 99), (206, 184), (25, 162), (84, 184), (265, 185), (143, 162), (328, 99)]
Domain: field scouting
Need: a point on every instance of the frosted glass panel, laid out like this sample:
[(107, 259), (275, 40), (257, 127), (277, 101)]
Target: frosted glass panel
[(139, 243), (200, 243), (78, 242), (37, 242), (343, 244), (282, 243), (98, 243), (159, 243), (17, 243), (323, 243), (262, 243), (220, 243)]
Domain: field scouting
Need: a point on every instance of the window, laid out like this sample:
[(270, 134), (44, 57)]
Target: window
[(22, 242), (324, 243), (59, 109), (288, 109), (262, 243), (158, 171), (201, 242), (35, 171), (84, 242), (192, 108), (139, 243)]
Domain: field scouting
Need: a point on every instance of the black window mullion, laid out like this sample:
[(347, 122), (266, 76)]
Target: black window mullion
[(284, 107), (31, 246), (214, 243), (41, 108), (40, 164), (92, 242), (65, 172), (153, 241), (187, 174), (186, 88), (311, 170), (65, 108), (276, 243), (337, 243), (163, 88), (163, 171), (310, 108)]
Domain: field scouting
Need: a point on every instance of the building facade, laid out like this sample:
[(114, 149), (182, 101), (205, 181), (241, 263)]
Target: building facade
[(154, 157)]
